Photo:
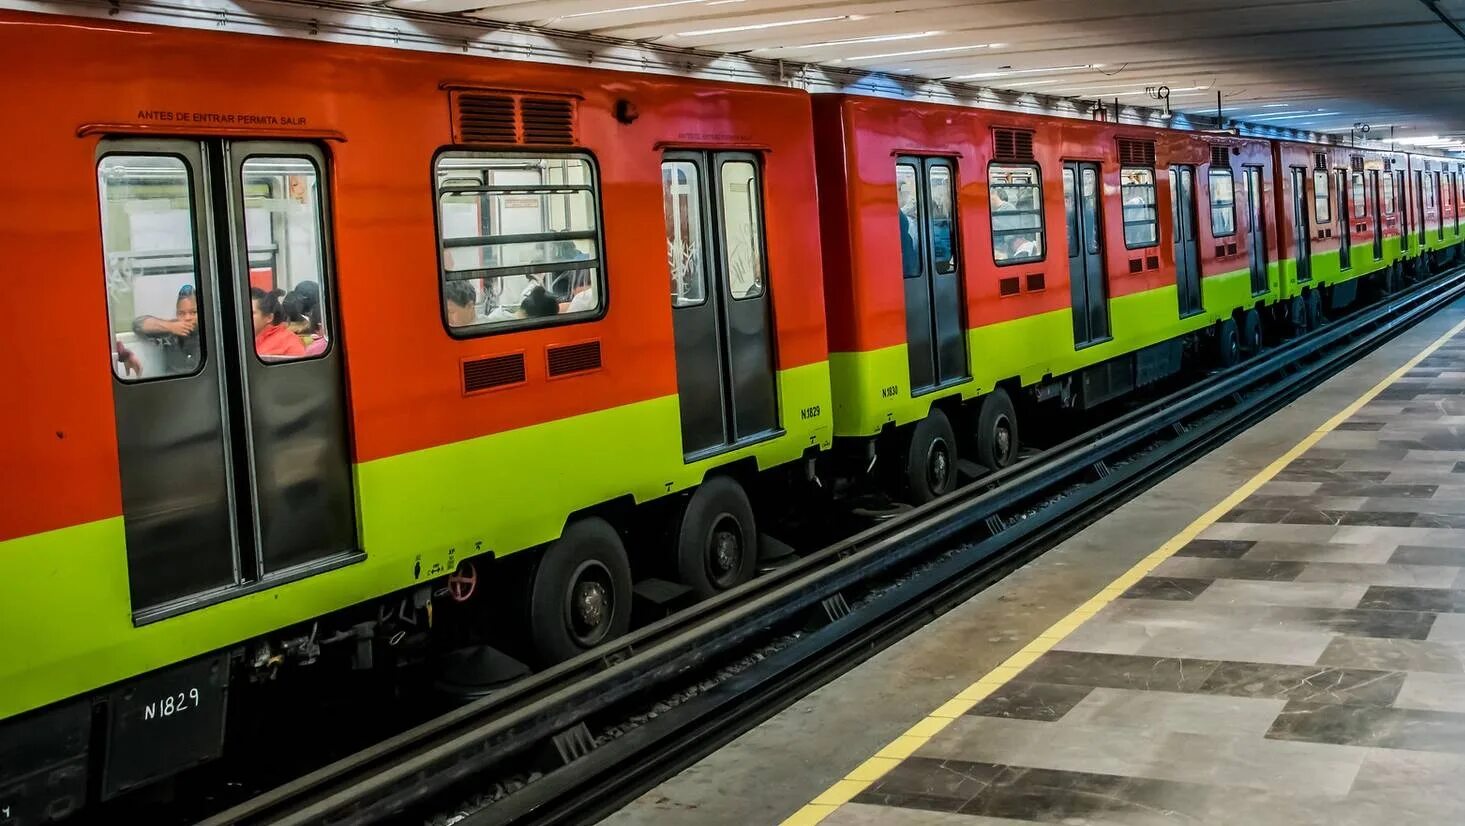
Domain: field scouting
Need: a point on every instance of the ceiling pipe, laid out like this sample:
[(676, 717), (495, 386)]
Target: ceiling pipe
[(1434, 6)]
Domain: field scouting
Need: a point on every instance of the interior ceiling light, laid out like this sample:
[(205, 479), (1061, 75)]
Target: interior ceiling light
[(1007, 72), (1301, 115), (880, 38), (780, 24), (640, 7), (939, 50), (1141, 91)]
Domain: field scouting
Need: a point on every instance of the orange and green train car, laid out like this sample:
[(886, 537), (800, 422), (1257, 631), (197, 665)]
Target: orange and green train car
[(324, 343), (432, 326)]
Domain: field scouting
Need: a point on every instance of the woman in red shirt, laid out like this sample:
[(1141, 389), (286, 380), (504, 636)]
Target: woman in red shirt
[(272, 337)]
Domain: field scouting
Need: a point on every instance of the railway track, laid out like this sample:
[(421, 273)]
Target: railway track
[(734, 660)]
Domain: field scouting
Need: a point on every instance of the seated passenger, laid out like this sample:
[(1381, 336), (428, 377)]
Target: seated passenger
[(272, 337), (538, 303), (177, 337), (460, 302)]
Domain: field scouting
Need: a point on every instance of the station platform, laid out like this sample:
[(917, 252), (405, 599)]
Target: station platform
[(1274, 635)]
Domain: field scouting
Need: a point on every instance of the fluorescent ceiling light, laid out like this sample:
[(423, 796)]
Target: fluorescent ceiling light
[(1300, 115), (1007, 72), (881, 38), (779, 24), (1274, 106), (940, 50), (640, 7)]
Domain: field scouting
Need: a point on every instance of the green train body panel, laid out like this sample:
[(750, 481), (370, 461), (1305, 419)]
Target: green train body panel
[(420, 513)]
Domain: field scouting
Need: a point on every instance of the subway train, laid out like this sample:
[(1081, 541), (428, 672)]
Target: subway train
[(353, 332)]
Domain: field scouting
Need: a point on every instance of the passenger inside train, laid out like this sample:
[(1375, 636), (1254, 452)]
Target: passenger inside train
[(272, 333), (177, 338)]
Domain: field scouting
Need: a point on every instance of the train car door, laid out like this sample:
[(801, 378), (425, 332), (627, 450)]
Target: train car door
[(1438, 193), (1376, 184), (1401, 197), (1256, 230), (1300, 228), (721, 310), (1085, 253), (930, 263), (231, 414), (1345, 222), (1421, 221), (1187, 242)]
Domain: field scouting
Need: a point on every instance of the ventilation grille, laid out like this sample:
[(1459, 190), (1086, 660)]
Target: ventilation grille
[(574, 358), (1012, 144), (1356, 163), (494, 371), (1009, 286), (1136, 265), (1136, 153), (1220, 250), (1230, 249), (501, 117), (1036, 282), (1320, 160), (1152, 262), (1388, 164), (1220, 157)]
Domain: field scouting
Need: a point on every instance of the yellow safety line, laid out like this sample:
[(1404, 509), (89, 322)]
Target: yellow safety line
[(916, 736)]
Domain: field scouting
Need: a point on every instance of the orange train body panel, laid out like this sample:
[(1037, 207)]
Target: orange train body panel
[(391, 115)]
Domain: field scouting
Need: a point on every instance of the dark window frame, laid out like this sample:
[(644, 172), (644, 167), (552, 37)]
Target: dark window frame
[(1326, 201), (193, 185), (1042, 227), (1211, 195), (1153, 205), (485, 329)]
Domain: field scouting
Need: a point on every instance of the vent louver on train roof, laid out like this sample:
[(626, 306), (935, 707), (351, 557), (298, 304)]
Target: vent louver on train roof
[(1320, 160), (512, 118), (1388, 164), (1356, 163), (1134, 152), (1012, 144), (1220, 157)]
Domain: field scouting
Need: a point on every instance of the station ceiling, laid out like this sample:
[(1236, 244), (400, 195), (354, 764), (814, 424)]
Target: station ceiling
[(1314, 65)]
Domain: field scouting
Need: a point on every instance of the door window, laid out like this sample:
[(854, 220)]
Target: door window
[(909, 212), (742, 229), (1387, 183), (682, 207), (1091, 208), (150, 261), (284, 236), (1017, 213), (1360, 196), (1141, 221)]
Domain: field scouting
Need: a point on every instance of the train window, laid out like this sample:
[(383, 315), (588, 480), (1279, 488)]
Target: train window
[(908, 202), (1141, 222), (1070, 209), (284, 236), (1360, 196), (1386, 183), (519, 238), (150, 256), (681, 190), (1016, 194), (1428, 191), (943, 250), (1321, 197), (1223, 203), (742, 229)]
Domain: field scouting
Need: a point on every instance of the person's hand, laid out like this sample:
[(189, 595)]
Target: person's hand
[(131, 365), (179, 327)]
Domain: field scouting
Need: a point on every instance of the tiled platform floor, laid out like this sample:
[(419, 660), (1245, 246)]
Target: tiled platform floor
[(1302, 661)]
